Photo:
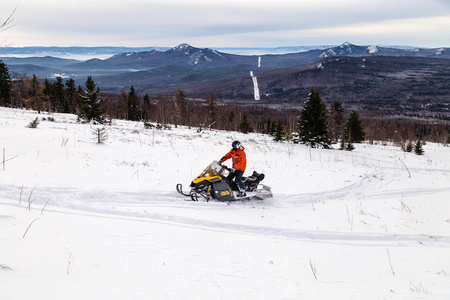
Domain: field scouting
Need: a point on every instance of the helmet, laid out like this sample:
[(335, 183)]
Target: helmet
[(235, 144)]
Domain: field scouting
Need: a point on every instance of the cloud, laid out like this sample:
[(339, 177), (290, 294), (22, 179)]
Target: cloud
[(210, 23)]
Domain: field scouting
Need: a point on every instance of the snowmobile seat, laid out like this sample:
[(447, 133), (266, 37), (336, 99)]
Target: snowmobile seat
[(252, 182), (256, 177)]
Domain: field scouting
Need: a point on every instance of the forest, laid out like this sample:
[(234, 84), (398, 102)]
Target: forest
[(63, 96)]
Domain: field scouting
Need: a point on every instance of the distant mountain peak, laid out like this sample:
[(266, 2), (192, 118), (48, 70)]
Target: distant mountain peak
[(182, 47), (346, 49), (346, 44)]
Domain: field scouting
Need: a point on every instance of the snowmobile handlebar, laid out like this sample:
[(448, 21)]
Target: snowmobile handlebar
[(226, 167)]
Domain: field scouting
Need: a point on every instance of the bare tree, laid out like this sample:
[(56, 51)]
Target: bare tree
[(161, 109), (211, 103), (181, 111), (7, 24)]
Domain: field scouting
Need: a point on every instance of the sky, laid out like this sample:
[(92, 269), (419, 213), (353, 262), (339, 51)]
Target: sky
[(231, 23)]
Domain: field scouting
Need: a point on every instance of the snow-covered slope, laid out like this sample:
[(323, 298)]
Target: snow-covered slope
[(103, 221)]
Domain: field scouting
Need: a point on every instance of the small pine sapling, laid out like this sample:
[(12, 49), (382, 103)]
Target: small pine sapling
[(34, 123), (409, 147), (346, 145), (418, 148), (101, 134)]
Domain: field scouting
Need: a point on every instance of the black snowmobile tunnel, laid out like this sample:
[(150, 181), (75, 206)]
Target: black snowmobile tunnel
[(222, 191)]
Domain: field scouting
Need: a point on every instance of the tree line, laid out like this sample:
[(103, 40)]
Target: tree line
[(314, 124)]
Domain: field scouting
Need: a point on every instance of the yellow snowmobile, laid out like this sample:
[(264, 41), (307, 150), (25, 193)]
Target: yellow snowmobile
[(213, 183)]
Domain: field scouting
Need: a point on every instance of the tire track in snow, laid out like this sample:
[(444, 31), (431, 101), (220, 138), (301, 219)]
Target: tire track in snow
[(140, 203), (358, 190), (314, 236)]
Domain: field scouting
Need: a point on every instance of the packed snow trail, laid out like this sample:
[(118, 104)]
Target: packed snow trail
[(255, 86)]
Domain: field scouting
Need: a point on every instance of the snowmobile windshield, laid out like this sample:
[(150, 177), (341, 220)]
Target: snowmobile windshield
[(213, 169)]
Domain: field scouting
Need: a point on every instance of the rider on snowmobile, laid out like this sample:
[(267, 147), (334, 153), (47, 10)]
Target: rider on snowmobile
[(239, 159)]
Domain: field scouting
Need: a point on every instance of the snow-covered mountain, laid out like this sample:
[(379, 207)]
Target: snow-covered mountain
[(85, 53), (348, 49), (78, 53), (196, 62), (103, 221)]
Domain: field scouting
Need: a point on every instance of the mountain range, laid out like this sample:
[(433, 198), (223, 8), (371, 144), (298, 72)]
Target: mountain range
[(348, 73), (192, 59)]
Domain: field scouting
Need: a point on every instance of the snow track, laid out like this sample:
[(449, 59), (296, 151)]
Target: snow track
[(78, 219), (315, 236)]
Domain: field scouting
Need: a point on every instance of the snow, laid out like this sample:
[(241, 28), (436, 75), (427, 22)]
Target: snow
[(182, 47), (256, 94), (373, 49), (62, 75), (348, 47), (329, 52), (103, 221), (440, 51)]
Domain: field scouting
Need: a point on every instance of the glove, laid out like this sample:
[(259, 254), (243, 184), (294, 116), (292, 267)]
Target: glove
[(219, 162), (232, 170)]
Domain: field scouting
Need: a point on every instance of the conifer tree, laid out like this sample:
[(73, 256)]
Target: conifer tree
[(418, 148), (47, 87), (409, 147), (353, 131), (279, 132), (146, 108), (61, 103), (5, 85), (271, 126), (245, 126), (132, 105), (35, 94), (48, 93), (91, 108), (312, 122), (71, 95)]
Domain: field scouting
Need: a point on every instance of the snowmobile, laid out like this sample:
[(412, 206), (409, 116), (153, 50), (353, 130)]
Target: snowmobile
[(213, 183)]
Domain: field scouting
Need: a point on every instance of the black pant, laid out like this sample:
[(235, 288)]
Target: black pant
[(237, 175)]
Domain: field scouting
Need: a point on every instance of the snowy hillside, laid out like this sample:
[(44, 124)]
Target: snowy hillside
[(81, 220)]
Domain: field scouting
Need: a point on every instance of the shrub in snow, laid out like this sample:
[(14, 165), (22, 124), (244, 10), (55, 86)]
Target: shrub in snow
[(34, 123), (148, 125), (50, 119), (346, 145)]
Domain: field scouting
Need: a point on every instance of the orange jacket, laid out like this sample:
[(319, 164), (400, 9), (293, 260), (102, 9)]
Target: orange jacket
[(238, 158)]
